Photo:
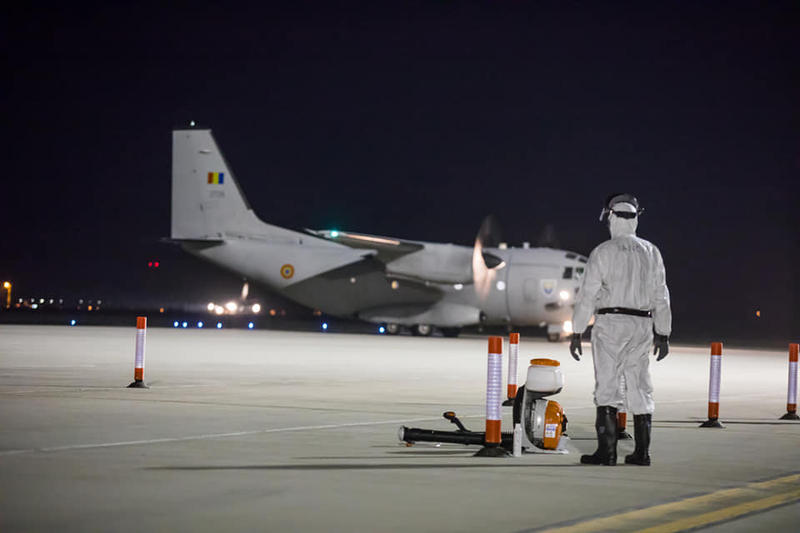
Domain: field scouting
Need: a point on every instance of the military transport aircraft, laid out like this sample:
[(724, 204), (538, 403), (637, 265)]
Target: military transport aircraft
[(395, 282)]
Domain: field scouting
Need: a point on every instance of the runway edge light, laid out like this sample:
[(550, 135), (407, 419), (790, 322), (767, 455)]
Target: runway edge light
[(138, 367)]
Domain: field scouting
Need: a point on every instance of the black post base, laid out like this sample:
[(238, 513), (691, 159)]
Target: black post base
[(492, 451), (138, 384), (624, 435), (508, 402), (790, 416), (712, 423)]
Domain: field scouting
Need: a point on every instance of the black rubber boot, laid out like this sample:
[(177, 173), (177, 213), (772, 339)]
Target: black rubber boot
[(641, 432), (606, 426)]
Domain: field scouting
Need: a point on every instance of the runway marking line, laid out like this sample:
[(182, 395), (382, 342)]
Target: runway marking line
[(698, 511), (215, 436)]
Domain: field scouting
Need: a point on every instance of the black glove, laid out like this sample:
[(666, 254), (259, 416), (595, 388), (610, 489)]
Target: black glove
[(660, 346), (575, 346)]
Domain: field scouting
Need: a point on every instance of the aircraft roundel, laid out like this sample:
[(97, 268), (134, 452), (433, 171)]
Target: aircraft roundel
[(287, 271)]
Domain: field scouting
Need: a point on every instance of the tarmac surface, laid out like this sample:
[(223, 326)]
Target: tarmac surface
[(283, 431)]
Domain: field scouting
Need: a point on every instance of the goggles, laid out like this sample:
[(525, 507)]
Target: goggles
[(614, 199)]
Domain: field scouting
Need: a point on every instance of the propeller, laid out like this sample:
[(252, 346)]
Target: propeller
[(484, 264), (548, 238)]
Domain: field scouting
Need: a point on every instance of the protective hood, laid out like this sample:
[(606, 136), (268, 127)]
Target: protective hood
[(619, 226)]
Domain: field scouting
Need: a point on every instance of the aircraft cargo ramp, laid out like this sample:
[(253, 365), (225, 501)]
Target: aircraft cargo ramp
[(274, 431)]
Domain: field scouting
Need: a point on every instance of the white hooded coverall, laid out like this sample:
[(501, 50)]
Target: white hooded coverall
[(628, 272)]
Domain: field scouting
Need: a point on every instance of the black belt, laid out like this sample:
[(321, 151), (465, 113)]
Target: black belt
[(623, 311)]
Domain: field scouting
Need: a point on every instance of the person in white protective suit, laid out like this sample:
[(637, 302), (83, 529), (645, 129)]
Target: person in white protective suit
[(625, 287)]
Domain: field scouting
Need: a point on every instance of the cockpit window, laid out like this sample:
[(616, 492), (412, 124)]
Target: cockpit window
[(579, 272), (583, 259), (567, 273), (570, 255)]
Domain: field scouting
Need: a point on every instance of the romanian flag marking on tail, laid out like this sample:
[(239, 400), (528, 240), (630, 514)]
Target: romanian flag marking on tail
[(216, 178)]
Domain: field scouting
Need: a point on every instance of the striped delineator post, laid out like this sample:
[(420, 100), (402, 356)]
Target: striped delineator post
[(791, 396), (513, 358), (715, 373), (138, 367), (622, 413), (494, 390)]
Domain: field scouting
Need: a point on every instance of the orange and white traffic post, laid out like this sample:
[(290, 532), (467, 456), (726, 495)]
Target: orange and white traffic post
[(513, 358), (138, 367), (791, 396), (494, 390), (622, 411), (715, 374)]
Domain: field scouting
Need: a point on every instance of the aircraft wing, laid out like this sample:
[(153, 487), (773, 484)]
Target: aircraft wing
[(425, 262), (388, 248)]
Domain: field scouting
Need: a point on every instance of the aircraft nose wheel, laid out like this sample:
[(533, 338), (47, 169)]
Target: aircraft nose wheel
[(421, 330), (392, 329)]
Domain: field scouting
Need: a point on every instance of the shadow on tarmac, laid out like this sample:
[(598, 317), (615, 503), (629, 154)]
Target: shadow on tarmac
[(314, 467), (742, 422)]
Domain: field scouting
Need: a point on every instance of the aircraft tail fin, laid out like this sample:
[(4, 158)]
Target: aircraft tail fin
[(206, 200)]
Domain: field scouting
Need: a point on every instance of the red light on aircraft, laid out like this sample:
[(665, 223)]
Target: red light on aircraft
[(156, 264), (150, 264)]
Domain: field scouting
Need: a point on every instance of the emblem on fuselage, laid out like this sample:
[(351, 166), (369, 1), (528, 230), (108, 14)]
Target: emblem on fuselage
[(548, 287), (287, 271)]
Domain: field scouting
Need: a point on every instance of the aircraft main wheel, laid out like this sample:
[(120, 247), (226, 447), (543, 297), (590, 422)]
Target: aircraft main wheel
[(392, 329), (422, 330), (553, 337), (451, 332)]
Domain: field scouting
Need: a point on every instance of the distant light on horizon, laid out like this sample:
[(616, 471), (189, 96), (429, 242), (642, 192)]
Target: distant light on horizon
[(176, 324), (324, 326), (185, 325), (200, 324), (72, 322), (219, 325), (250, 325), (334, 233)]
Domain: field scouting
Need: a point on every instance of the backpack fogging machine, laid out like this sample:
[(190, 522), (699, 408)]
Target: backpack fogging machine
[(539, 423)]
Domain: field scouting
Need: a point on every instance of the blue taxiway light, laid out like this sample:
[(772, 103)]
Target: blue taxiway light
[(176, 324), (324, 326), (219, 325), (250, 325), (381, 329), (72, 322), (185, 325), (200, 324)]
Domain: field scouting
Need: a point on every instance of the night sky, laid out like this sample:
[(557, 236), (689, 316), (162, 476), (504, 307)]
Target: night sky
[(413, 119)]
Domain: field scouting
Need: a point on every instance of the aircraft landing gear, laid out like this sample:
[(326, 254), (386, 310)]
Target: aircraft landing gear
[(421, 330), (392, 329), (451, 332), (555, 332)]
